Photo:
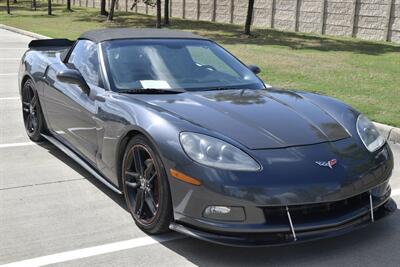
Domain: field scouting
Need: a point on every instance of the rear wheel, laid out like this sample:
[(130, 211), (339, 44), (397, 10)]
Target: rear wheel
[(145, 187), (32, 113)]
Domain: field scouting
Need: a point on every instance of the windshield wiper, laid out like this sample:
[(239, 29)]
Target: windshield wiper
[(151, 91)]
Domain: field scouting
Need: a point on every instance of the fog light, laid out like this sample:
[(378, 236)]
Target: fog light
[(217, 210), (224, 213)]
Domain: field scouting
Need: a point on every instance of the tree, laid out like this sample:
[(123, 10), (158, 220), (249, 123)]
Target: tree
[(49, 8), (112, 7), (103, 11), (249, 17), (166, 12), (34, 4), (8, 7), (158, 21), (69, 5), (152, 3)]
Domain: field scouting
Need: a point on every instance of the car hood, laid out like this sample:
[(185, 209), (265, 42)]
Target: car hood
[(258, 119)]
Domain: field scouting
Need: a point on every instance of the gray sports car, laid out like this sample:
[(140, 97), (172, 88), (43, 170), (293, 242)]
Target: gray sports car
[(197, 143)]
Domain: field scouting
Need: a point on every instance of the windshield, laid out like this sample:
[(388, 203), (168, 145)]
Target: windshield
[(174, 64)]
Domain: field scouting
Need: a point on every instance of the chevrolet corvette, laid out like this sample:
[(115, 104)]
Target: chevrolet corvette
[(197, 143)]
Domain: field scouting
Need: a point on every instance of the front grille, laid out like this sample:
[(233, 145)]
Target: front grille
[(316, 212)]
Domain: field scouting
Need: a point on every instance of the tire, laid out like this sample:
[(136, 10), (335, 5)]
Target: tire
[(32, 112), (147, 189)]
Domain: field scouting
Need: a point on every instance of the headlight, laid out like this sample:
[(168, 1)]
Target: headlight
[(369, 134), (216, 153)]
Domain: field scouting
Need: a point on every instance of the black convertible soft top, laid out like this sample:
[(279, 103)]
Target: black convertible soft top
[(101, 35)]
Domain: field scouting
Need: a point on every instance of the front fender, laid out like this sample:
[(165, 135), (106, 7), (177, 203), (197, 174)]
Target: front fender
[(119, 120)]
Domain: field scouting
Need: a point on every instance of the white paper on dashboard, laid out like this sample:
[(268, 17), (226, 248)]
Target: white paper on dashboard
[(156, 84)]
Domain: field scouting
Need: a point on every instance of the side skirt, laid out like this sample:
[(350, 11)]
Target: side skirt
[(81, 162)]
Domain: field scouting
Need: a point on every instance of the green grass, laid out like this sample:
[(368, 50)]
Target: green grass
[(364, 74)]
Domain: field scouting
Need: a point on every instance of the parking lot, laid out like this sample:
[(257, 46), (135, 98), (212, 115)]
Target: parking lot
[(53, 212)]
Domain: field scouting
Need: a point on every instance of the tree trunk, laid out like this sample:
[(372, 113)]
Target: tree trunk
[(69, 5), (49, 8), (158, 23), (15, 1), (166, 12), (8, 7), (34, 4), (249, 17), (112, 7), (103, 11)]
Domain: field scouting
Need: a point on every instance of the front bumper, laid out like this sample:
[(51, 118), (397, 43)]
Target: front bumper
[(296, 230), (288, 181)]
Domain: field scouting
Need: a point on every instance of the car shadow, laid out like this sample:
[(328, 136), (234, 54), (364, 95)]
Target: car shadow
[(375, 245), (54, 151)]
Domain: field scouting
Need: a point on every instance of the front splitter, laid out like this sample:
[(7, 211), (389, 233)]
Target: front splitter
[(284, 238)]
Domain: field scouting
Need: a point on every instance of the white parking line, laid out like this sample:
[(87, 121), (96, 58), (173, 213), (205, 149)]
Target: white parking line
[(10, 58), (395, 192), (9, 98), (8, 74), (93, 251), (17, 144)]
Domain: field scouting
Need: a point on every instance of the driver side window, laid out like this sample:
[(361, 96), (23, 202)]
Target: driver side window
[(84, 57)]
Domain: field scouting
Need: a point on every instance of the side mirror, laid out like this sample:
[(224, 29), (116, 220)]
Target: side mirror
[(255, 69), (75, 77)]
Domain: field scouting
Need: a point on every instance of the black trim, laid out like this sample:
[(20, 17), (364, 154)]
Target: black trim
[(50, 42), (283, 238), (67, 53)]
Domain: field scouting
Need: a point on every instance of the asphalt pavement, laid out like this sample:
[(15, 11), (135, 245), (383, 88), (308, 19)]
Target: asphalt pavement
[(52, 212)]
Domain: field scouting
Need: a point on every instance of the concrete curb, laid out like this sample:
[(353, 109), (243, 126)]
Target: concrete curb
[(23, 32), (391, 133)]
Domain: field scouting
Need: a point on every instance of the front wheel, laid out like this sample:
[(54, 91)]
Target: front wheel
[(31, 112), (145, 186)]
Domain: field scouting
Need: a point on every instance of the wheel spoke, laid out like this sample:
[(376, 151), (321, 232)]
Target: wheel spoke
[(151, 204), (29, 93), (133, 185), (139, 202), (131, 179), (152, 177), (25, 102), (34, 101), (138, 161), (150, 171), (29, 122), (149, 163), (129, 175), (33, 121)]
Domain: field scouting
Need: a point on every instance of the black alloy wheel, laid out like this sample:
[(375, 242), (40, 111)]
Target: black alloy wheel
[(145, 187), (31, 111)]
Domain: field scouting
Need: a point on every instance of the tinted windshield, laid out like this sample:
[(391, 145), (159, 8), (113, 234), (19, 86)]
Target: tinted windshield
[(175, 63)]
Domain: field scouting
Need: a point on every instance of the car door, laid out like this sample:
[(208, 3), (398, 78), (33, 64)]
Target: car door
[(71, 112)]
